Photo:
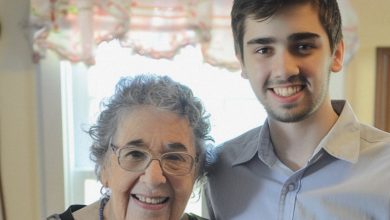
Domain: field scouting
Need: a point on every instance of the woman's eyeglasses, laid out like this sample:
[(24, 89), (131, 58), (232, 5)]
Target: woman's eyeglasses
[(137, 160)]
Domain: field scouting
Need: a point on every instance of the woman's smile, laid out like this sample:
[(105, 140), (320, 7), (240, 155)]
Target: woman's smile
[(150, 203)]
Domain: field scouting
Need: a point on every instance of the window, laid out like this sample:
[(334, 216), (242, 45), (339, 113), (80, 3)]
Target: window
[(228, 99)]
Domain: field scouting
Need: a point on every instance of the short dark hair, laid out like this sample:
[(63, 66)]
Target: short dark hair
[(328, 12)]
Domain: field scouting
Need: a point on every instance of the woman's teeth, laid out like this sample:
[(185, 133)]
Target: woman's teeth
[(151, 200), (287, 91)]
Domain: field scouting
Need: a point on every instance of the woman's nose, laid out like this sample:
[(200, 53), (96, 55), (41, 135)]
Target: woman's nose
[(153, 174)]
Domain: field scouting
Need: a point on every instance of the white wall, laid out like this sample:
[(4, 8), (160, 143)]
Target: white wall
[(374, 31), (18, 115)]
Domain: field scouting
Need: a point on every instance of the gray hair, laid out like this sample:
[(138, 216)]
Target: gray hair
[(158, 91)]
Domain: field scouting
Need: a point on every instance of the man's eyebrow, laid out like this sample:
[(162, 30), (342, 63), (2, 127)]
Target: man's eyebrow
[(303, 36), (177, 146), (261, 40), (293, 37)]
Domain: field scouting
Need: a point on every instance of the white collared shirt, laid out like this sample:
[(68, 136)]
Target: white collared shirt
[(348, 177)]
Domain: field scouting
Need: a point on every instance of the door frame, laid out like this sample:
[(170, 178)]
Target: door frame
[(382, 90)]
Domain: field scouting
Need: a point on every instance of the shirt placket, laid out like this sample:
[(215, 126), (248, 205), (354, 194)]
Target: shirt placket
[(288, 197), (291, 189), (287, 200)]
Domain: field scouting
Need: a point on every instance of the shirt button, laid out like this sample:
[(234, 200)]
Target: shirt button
[(291, 187)]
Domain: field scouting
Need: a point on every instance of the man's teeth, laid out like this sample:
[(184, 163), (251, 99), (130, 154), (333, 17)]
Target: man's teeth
[(149, 200), (287, 91)]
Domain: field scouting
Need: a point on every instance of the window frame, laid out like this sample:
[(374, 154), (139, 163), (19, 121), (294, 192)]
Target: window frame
[(51, 170)]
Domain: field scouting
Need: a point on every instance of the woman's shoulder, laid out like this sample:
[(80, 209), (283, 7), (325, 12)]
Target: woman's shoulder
[(67, 214), (89, 212), (78, 212), (192, 216)]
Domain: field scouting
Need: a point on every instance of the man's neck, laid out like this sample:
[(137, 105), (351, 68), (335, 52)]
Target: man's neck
[(295, 142)]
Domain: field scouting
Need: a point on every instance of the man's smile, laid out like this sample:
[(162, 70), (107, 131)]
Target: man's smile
[(287, 91)]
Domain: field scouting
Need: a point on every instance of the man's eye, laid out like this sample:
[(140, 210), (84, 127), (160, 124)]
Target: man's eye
[(304, 48), (264, 50)]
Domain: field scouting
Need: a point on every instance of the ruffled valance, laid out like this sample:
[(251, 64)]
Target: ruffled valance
[(153, 28)]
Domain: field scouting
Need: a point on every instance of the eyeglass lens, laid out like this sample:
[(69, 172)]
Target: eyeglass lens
[(176, 163)]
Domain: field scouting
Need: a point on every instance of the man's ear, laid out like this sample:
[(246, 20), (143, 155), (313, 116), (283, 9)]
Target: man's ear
[(244, 75), (243, 71), (338, 57)]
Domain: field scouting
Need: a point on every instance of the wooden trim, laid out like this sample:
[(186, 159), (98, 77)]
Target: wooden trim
[(2, 203), (2, 200), (382, 91)]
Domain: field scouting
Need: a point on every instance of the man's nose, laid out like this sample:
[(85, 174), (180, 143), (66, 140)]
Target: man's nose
[(286, 65), (153, 174)]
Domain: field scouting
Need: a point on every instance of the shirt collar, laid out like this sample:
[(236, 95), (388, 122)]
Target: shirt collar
[(261, 144), (343, 140)]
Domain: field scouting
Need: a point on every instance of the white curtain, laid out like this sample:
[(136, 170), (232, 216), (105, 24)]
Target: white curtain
[(154, 28)]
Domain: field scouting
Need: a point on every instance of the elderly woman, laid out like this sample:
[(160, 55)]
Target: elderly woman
[(149, 150)]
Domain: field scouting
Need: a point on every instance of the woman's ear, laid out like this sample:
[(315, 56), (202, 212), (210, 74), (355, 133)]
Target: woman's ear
[(105, 173), (338, 57)]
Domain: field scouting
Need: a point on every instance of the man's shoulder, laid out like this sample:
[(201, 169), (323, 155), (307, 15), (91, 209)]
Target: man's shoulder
[(238, 144), (244, 138), (375, 146), (373, 136)]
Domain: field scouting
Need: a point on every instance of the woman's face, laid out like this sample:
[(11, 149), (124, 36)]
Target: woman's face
[(149, 194)]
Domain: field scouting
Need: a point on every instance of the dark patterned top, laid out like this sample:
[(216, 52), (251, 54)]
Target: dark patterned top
[(67, 215)]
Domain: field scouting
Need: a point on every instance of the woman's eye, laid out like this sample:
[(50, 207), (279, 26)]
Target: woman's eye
[(135, 155), (174, 157)]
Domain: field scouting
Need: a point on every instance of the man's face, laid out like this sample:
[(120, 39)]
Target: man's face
[(287, 59)]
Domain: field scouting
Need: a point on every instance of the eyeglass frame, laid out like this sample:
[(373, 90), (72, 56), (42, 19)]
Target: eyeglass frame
[(117, 149)]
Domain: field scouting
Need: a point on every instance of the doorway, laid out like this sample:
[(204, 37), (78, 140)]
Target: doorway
[(382, 91)]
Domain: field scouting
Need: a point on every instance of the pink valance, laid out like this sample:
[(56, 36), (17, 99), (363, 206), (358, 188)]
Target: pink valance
[(153, 28)]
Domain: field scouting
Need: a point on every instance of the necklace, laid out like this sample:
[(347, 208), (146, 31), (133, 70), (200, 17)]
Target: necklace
[(103, 202)]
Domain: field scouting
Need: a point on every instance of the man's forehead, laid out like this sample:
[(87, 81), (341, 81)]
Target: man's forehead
[(290, 10), (303, 20)]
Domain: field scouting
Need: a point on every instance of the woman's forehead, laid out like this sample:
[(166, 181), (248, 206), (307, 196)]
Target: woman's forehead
[(149, 126)]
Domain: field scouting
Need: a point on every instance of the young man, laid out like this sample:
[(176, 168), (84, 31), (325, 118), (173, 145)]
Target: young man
[(311, 159)]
